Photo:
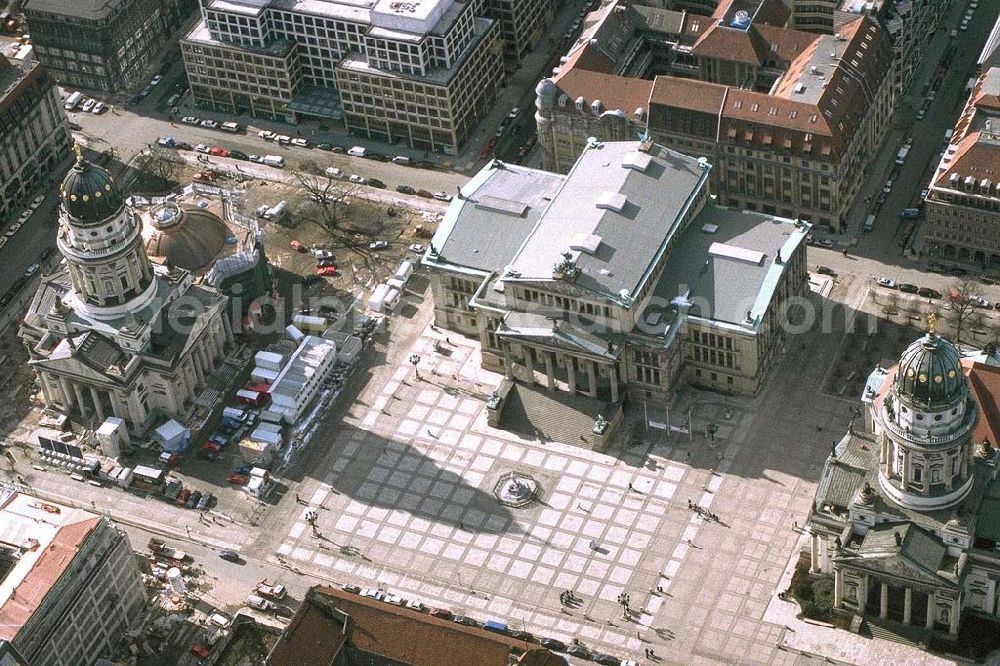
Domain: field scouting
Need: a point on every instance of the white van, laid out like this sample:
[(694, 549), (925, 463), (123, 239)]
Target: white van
[(277, 212), (401, 159), (276, 161), (230, 126), (73, 101), (357, 151)]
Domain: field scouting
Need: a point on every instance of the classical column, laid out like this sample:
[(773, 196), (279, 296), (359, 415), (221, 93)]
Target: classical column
[(814, 554), (863, 598), (592, 378), (883, 611), (931, 603), (78, 390), (46, 396), (508, 365), (571, 373), (838, 588), (529, 366), (119, 408), (550, 376), (67, 394), (97, 403), (199, 373), (953, 617), (908, 605), (613, 373), (227, 328)]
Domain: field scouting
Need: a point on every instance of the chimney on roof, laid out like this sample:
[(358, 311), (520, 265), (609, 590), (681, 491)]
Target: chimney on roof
[(899, 539)]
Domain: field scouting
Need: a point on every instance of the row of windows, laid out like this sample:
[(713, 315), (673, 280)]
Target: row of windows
[(711, 339), (712, 357)]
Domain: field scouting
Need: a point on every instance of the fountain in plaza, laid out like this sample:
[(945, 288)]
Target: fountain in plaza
[(515, 489)]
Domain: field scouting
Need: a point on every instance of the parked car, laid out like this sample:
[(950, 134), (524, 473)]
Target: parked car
[(378, 245), (31, 270), (219, 152), (553, 644), (465, 620), (37, 201), (514, 113), (192, 499), (909, 214), (209, 123), (323, 263), (416, 248), (155, 81), (282, 139), (324, 146), (825, 243), (88, 105), (394, 599), (373, 593), (271, 591), (888, 283), (442, 613), (144, 93), (979, 301), (927, 292), (355, 178), (302, 143), (416, 606), (351, 587), (257, 159), (327, 271), (375, 182), (98, 108), (238, 479), (442, 196), (577, 650), (205, 501), (202, 148), (190, 120), (238, 155), (826, 270), (229, 555), (908, 288), (199, 650), (888, 186), (182, 496), (267, 135), (405, 189), (297, 246)]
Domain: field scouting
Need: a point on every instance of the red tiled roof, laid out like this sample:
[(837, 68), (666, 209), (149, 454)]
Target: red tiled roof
[(688, 94), (406, 636), (973, 157), (615, 92), (787, 44), (725, 43), (49, 567), (984, 384)]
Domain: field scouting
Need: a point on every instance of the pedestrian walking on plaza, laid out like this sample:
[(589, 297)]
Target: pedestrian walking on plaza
[(795, 525), (298, 499)]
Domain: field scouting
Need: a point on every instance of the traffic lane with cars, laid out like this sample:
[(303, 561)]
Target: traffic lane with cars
[(103, 131), (910, 178), (935, 277), (24, 247), (263, 172), (391, 174)]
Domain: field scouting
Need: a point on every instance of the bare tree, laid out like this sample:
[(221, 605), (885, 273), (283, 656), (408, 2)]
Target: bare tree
[(328, 192), (959, 306), (160, 163)]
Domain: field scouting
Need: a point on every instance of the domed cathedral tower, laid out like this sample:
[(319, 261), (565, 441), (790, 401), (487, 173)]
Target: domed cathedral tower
[(109, 333), (102, 241), (545, 102), (905, 513), (925, 427)]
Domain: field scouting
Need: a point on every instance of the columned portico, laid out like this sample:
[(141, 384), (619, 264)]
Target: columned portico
[(78, 391), (97, 403), (591, 378)]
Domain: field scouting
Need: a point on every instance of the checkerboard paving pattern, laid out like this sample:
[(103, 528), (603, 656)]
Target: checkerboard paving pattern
[(421, 462)]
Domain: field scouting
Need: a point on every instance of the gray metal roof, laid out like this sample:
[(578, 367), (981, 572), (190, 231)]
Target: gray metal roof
[(479, 234), (631, 211), (720, 284)]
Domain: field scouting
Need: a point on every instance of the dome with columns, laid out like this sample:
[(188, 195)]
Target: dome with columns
[(89, 194)]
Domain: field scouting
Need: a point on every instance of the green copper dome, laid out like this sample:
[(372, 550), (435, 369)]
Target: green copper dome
[(930, 372), (88, 193)]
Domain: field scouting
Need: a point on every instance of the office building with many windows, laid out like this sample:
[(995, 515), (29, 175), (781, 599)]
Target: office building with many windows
[(35, 134), (789, 119), (69, 586), (422, 72), (102, 45)]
